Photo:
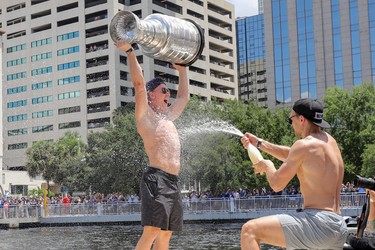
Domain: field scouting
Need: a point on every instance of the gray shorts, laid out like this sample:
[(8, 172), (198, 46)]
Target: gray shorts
[(313, 229)]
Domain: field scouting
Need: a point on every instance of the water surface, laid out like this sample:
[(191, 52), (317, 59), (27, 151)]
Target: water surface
[(199, 236)]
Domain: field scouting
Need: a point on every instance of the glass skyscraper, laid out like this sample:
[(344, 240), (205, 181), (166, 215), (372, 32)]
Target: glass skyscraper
[(312, 45), (251, 59)]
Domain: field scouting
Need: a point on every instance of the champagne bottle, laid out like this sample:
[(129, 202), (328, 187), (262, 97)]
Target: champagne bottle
[(254, 154)]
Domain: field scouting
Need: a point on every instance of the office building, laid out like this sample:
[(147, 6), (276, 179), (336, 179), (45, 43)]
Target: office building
[(61, 70), (251, 58), (312, 45)]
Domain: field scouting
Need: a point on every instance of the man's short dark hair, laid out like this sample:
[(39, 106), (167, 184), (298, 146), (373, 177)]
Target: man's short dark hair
[(154, 83)]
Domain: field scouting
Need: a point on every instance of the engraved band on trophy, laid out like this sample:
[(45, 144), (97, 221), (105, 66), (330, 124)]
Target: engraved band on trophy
[(163, 37)]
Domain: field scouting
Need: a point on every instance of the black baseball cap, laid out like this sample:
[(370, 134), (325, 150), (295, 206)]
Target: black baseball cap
[(153, 84), (311, 110)]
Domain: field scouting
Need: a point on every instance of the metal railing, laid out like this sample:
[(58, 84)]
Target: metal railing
[(215, 205)]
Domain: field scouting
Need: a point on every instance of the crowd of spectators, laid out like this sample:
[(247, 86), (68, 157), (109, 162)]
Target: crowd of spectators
[(14, 200)]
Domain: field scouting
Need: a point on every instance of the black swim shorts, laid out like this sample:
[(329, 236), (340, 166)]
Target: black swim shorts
[(161, 200)]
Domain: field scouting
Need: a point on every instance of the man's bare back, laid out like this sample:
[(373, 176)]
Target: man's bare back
[(321, 172)]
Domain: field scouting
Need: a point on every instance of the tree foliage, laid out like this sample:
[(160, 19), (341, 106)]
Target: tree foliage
[(117, 156), (352, 118), (41, 160), (71, 167), (211, 152)]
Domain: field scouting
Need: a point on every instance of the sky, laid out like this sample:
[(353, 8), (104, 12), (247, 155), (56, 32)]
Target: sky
[(245, 7)]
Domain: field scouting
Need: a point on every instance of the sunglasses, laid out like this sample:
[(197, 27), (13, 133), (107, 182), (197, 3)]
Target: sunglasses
[(290, 121), (165, 90)]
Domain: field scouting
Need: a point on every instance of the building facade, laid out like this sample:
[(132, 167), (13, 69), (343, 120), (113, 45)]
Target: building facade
[(312, 45), (251, 58), (61, 70)]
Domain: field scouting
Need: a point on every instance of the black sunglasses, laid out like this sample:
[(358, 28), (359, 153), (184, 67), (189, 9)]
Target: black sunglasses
[(165, 90), (290, 121)]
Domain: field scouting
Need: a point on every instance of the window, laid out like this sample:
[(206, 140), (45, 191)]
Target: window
[(41, 114), (17, 146), (17, 104), (67, 36), (69, 110), (42, 56), (41, 71), (70, 125), (16, 76), (68, 51), (16, 118), (41, 85), (68, 80), (44, 128), (16, 90), (41, 42), (20, 131), (42, 99), (16, 62), (69, 95), (16, 48), (19, 189), (69, 65)]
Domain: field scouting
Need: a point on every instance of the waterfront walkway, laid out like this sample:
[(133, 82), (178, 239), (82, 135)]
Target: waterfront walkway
[(129, 213)]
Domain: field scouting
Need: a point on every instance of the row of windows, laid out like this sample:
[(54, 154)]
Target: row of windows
[(16, 76), (41, 85), (41, 71), (68, 51), (68, 80), (17, 146), (42, 99), (41, 56), (17, 90), (69, 125), (16, 104), (69, 110), (20, 131), (44, 70), (38, 129), (16, 48), (44, 128), (69, 95), (68, 36), (41, 42), (16, 7), (16, 62), (69, 65), (41, 114), (16, 118)]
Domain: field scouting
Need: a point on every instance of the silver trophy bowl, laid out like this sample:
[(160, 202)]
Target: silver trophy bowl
[(163, 37)]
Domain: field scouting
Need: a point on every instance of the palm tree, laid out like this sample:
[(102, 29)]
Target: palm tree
[(40, 160)]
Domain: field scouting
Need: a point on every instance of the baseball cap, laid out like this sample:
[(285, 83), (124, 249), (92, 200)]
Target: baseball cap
[(153, 84), (312, 110)]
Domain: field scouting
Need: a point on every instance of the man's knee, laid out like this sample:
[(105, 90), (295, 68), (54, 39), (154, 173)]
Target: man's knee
[(248, 229), (165, 235)]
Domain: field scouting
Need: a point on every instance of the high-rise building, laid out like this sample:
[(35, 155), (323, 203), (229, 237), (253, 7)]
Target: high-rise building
[(61, 70), (260, 7), (312, 45), (251, 57)]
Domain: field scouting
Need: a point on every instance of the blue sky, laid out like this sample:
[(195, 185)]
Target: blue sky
[(245, 7)]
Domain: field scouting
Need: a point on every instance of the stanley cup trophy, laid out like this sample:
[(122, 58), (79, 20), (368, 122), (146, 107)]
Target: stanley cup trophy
[(163, 37)]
